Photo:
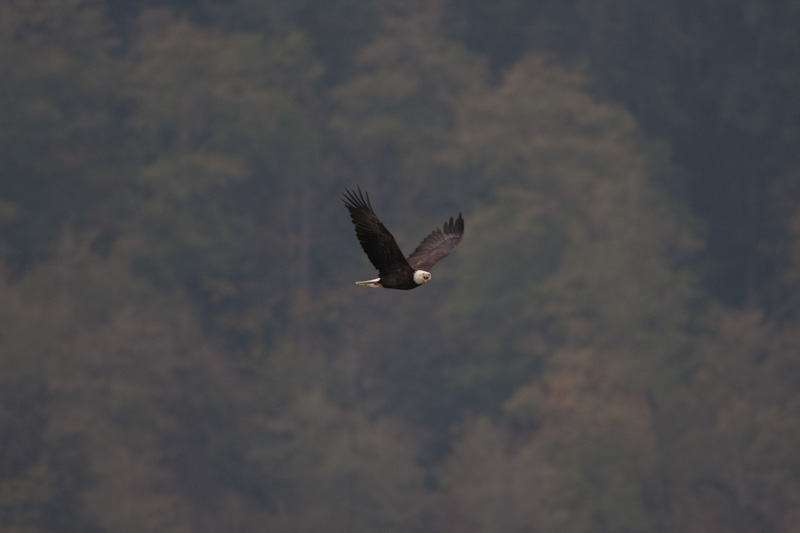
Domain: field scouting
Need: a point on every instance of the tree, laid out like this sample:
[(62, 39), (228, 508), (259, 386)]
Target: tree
[(585, 234), (733, 463), (345, 471), (396, 113), (61, 109), (581, 323), (718, 80), (230, 154)]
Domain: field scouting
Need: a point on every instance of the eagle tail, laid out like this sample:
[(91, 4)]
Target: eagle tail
[(370, 283)]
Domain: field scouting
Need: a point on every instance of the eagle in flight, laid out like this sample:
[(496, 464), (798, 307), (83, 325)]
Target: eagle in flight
[(394, 270)]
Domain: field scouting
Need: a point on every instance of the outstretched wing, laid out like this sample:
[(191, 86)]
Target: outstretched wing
[(437, 245), (375, 239)]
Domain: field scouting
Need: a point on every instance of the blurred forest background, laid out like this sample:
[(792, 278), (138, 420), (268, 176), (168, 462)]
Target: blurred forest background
[(614, 347)]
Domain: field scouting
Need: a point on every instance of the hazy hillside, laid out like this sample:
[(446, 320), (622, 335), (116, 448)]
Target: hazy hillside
[(612, 348)]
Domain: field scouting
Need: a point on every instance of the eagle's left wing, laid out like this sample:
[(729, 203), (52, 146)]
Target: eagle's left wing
[(437, 245)]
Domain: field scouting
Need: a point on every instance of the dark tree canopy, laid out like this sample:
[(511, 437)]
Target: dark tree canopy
[(612, 348)]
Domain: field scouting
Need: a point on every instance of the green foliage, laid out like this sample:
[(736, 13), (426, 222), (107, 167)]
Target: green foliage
[(586, 241), (348, 472), (394, 116), (181, 345), (58, 126), (743, 407), (718, 79)]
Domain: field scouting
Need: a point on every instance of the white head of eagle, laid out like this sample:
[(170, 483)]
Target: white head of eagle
[(395, 270), (420, 277)]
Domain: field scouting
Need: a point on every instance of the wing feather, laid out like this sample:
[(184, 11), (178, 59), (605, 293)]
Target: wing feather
[(375, 239), (437, 245)]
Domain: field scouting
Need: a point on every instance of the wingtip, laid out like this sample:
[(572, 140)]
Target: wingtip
[(355, 198), (454, 226)]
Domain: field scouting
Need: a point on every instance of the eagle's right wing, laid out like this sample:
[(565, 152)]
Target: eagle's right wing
[(375, 239)]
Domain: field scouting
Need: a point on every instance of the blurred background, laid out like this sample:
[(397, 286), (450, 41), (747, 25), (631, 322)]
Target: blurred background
[(613, 347)]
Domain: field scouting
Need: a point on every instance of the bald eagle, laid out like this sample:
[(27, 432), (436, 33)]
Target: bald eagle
[(395, 271)]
